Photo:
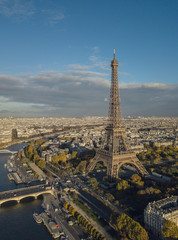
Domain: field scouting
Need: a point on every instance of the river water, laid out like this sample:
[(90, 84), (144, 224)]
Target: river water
[(16, 221)]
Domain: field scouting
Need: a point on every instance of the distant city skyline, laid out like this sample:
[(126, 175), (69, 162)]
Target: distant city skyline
[(55, 57)]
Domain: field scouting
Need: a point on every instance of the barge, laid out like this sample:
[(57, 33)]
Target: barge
[(37, 218)]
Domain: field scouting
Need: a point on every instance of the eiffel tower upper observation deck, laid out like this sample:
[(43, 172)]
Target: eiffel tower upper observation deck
[(114, 152)]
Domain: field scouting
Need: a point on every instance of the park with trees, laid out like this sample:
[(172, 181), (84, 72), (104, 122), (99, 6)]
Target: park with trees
[(161, 159)]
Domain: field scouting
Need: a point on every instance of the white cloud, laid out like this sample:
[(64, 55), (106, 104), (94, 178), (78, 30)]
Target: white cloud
[(79, 66), (54, 16), (97, 62), (93, 58), (23, 9), (87, 73), (4, 100), (82, 93), (95, 48), (78, 83), (154, 85), (16, 8), (124, 74), (102, 65)]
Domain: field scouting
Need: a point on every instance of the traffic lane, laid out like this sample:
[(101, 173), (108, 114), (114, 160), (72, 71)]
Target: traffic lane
[(24, 188), (96, 205), (70, 231)]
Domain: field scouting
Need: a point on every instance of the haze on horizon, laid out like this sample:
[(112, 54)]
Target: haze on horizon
[(55, 57)]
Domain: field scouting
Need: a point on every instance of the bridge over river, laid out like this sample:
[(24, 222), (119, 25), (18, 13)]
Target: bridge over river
[(7, 151), (21, 193)]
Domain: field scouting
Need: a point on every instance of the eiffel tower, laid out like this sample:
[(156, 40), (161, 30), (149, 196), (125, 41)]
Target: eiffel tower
[(114, 152)]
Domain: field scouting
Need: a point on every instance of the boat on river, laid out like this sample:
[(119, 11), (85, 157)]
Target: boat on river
[(11, 178), (37, 218)]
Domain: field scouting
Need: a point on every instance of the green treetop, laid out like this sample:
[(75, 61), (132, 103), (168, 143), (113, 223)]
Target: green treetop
[(170, 230)]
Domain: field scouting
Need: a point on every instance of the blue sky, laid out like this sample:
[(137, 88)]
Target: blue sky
[(55, 56)]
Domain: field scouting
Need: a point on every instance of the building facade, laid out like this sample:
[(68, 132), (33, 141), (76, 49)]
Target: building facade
[(157, 212), (14, 134)]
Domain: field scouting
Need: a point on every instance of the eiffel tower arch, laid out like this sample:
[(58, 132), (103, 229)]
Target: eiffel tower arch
[(114, 164), (115, 151)]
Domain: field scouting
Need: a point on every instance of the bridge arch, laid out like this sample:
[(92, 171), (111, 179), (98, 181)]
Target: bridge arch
[(113, 167), (7, 151), (131, 164), (8, 201), (126, 166), (19, 198), (94, 162), (25, 198)]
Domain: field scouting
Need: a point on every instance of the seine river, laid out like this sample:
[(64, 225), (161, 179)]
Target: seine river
[(16, 221)]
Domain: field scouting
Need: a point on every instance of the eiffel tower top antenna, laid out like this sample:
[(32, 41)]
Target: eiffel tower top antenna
[(114, 108)]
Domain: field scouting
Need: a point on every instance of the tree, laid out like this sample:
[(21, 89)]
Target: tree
[(66, 205), (70, 208), (100, 191), (36, 157), (29, 151), (170, 230), (41, 164), (132, 228), (152, 190), (99, 165), (20, 154), (82, 166), (62, 157), (74, 154), (79, 217), (122, 185), (136, 179), (55, 159), (39, 142), (110, 197), (93, 182)]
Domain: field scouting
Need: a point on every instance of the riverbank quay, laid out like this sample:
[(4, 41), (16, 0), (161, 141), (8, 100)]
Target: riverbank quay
[(20, 171), (7, 145), (13, 171), (52, 206), (50, 225), (28, 172), (99, 228)]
